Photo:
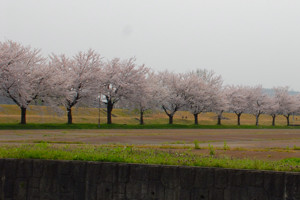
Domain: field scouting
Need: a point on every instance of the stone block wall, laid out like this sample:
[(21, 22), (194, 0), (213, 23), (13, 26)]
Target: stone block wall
[(77, 180)]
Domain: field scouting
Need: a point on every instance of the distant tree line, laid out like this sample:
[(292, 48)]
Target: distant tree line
[(27, 77)]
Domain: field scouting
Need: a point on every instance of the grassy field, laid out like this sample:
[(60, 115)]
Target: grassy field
[(208, 145), (145, 156), (261, 144), (10, 114), (7, 126)]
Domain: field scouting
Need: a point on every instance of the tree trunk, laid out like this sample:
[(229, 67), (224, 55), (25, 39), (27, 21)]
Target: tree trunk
[(273, 120), (196, 118), (257, 118), (23, 115), (170, 115), (238, 118), (287, 119), (170, 119), (109, 110), (219, 119), (70, 119), (141, 117)]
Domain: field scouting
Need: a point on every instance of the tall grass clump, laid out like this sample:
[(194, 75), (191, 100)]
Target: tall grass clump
[(225, 146), (196, 143), (296, 148), (211, 150)]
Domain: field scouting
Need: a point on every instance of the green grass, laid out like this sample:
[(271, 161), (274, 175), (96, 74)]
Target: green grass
[(225, 146), (9, 126), (56, 142), (296, 148), (143, 156), (196, 144), (176, 142), (292, 161), (211, 149)]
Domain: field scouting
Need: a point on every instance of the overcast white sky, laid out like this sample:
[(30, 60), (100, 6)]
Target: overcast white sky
[(248, 42)]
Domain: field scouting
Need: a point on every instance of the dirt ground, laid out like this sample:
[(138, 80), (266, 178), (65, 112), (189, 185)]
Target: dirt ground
[(266, 144)]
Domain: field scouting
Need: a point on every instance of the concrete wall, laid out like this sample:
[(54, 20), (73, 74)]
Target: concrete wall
[(74, 180)]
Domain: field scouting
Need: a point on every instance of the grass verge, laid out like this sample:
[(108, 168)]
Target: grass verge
[(143, 156), (11, 126)]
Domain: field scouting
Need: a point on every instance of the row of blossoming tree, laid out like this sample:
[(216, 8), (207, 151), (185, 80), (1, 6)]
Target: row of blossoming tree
[(27, 77)]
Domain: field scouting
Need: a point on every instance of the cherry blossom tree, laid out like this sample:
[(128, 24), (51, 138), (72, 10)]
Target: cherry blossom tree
[(76, 79), (172, 98), (297, 111), (197, 99), (120, 80), (23, 75), (196, 93), (11, 52), (237, 100), (199, 104), (146, 95), (273, 109), (199, 88), (258, 102), (217, 101), (288, 104), (220, 104)]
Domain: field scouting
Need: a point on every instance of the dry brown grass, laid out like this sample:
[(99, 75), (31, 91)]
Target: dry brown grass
[(43, 114)]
